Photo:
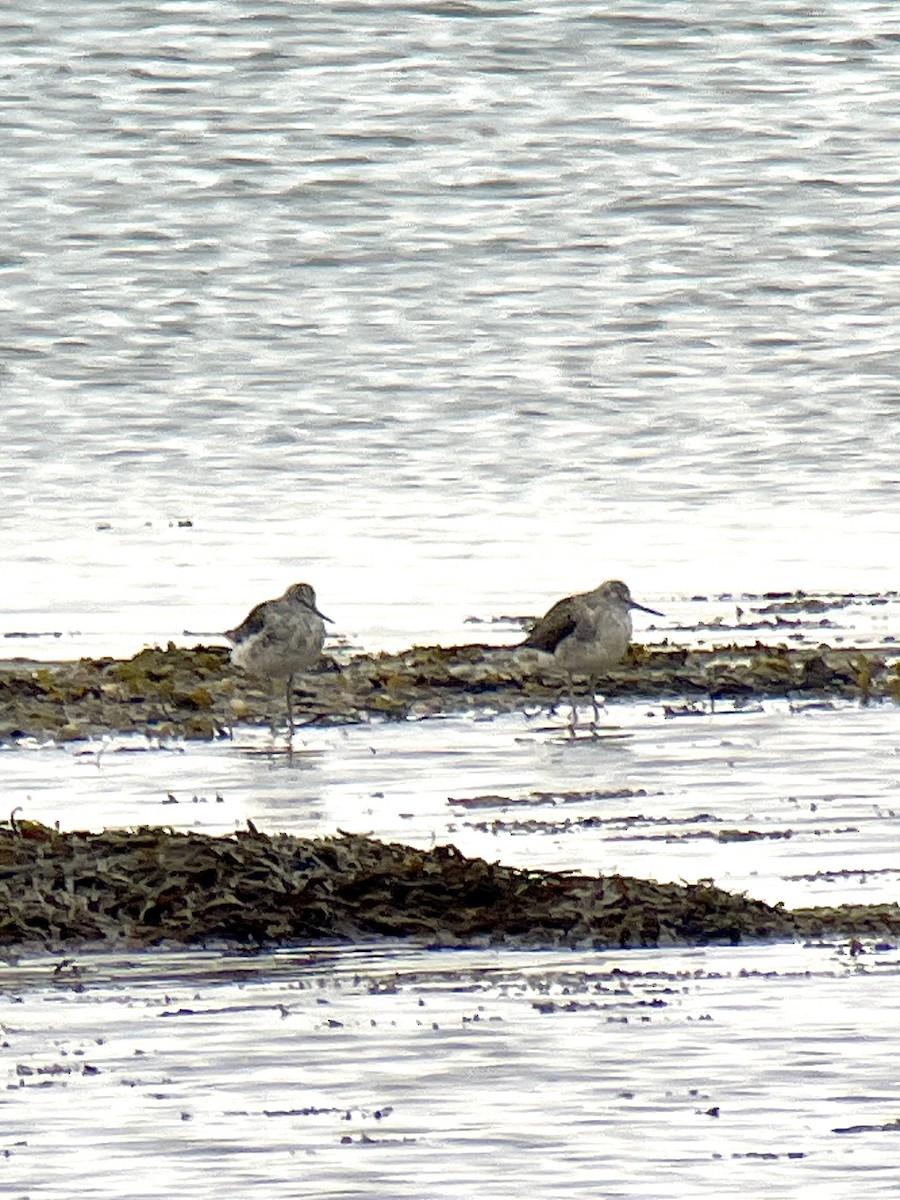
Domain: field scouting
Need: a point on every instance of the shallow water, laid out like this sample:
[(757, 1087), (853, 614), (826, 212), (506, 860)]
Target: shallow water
[(379, 1071), (387, 1069), (451, 309), (797, 805)]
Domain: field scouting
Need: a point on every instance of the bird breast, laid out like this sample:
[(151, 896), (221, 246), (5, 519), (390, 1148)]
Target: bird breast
[(286, 645), (599, 642)]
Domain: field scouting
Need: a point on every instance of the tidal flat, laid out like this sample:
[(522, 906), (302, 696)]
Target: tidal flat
[(662, 951), (261, 884)]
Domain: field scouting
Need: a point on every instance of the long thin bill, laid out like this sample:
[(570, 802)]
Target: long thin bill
[(643, 608)]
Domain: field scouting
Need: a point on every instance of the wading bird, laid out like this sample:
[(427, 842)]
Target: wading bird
[(587, 634), (279, 639)]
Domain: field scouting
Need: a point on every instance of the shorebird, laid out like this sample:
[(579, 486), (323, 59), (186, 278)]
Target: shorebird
[(587, 634), (280, 638)]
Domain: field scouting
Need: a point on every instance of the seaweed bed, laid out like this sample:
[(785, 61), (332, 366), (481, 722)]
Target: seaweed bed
[(143, 887), (147, 886), (197, 693)]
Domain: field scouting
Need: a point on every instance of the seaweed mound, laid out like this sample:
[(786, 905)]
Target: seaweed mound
[(152, 885), (198, 693)]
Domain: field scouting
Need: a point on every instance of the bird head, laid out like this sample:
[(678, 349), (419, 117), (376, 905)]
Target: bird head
[(303, 593), (617, 592)]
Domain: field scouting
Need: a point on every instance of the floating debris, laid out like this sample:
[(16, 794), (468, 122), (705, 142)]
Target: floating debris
[(887, 1127), (541, 799), (17, 633)]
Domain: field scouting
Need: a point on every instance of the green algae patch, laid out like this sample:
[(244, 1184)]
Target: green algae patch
[(152, 885), (157, 692), (197, 692)]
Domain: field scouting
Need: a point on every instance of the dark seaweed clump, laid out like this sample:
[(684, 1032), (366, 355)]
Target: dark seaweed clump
[(197, 693), (144, 887)]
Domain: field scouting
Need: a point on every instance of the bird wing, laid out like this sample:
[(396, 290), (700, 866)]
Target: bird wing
[(254, 622), (558, 622)]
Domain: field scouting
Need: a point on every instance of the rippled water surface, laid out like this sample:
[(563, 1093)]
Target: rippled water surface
[(449, 307), (378, 1072), (453, 308)]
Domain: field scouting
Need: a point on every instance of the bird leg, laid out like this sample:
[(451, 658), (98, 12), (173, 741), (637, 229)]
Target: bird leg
[(573, 718), (273, 725), (289, 699), (592, 684)]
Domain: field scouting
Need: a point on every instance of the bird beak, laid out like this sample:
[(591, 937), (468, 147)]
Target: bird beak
[(330, 622), (643, 608)]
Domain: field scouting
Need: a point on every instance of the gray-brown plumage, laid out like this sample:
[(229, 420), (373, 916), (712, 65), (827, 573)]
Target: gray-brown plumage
[(281, 638), (587, 633)]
